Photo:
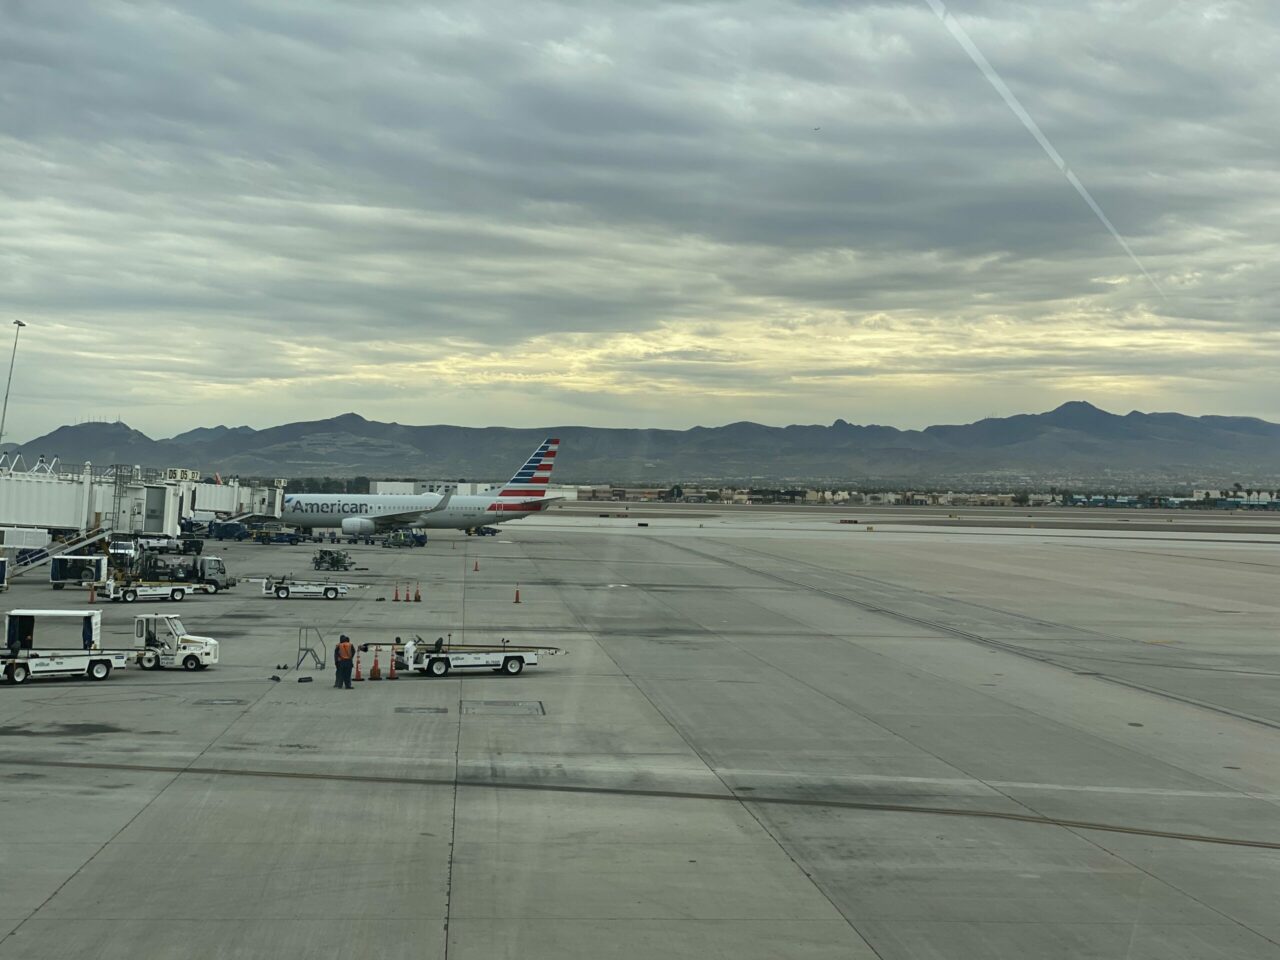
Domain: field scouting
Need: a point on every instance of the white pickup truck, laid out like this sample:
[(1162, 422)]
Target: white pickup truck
[(282, 588), (160, 544), (57, 643)]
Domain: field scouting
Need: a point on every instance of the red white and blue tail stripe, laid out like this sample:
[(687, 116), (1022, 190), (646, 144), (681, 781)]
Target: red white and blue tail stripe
[(530, 481)]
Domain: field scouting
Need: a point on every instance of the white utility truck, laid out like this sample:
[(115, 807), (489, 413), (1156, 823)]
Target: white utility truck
[(282, 588), (57, 643), (198, 574), (129, 591), (210, 573), (437, 658), (79, 571), (162, 641)]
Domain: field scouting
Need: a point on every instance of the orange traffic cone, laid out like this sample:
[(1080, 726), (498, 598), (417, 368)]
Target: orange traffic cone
[(417, 593), (375, 672), (397, 596), (476, 568), (358, 675), (517, 600)]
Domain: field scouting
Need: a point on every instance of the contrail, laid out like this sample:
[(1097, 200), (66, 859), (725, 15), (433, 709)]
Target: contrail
[(1020, 112)]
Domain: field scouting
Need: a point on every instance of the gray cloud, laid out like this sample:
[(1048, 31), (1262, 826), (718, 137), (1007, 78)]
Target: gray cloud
[(251, 211)]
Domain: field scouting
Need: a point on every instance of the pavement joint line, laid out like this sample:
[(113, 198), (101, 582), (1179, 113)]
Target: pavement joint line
[(453, 815), (1077, 828), (1023, 652), (1033, 816), (177, 773), (1074, 828), (710, 767), (829, 802)]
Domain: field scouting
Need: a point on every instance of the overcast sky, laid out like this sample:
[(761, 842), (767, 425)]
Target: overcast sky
[(635, 214)]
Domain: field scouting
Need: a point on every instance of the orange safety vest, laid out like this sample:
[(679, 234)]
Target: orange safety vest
[(346, 650)]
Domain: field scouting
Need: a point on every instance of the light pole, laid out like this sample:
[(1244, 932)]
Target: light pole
[(4, 415)]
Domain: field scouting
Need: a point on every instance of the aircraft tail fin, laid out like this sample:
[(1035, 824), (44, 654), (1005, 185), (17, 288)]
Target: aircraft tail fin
[(531, 480)]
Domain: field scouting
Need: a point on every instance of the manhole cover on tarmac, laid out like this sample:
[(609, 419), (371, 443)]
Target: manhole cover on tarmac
[(422, 710), (503, 708), (221, 702)]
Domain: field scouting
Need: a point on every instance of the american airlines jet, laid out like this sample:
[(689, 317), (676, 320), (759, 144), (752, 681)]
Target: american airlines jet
[(360, 514)]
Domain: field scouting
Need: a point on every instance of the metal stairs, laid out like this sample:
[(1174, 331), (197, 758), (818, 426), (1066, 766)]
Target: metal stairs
[(38, 558)]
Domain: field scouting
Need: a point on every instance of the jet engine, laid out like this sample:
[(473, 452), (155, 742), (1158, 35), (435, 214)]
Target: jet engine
[(357, 527)]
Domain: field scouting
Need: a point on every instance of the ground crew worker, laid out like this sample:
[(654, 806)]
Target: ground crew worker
[(337, 663), (344, 656)]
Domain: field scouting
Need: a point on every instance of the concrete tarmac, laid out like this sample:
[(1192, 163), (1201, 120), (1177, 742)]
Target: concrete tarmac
[(773, 735)]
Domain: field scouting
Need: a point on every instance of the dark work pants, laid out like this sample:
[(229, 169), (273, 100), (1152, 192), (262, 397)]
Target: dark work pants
[(344, 673)]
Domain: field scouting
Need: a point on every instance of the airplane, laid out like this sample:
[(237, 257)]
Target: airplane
[(364, 514)]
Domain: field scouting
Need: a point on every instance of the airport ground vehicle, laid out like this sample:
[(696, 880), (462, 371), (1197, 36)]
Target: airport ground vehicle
[(79, 571), (129, 591), (332, 560), (228, 530), (202, 574), (404, 538), (282, 588), (437, 658), (277, 536), (160, 544), (57, 643), (122, 554), (483, 531), (4, 573), (162, 641)]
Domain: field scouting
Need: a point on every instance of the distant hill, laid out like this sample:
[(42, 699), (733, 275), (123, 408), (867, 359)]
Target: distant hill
[(1075, 440)]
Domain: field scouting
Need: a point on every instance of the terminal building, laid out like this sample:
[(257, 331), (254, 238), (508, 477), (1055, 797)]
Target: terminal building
[(50, 502)]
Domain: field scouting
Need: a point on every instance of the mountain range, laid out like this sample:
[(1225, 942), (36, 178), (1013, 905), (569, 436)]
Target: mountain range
[(1075, 440)]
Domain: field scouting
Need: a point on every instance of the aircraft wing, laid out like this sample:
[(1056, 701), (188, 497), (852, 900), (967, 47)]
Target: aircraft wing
[(409, 516)]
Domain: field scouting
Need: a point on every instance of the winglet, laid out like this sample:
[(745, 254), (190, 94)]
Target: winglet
[(444, 501)]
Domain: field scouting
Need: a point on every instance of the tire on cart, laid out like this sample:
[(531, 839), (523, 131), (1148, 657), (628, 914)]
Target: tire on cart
[(512, 666), (438, 666)]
